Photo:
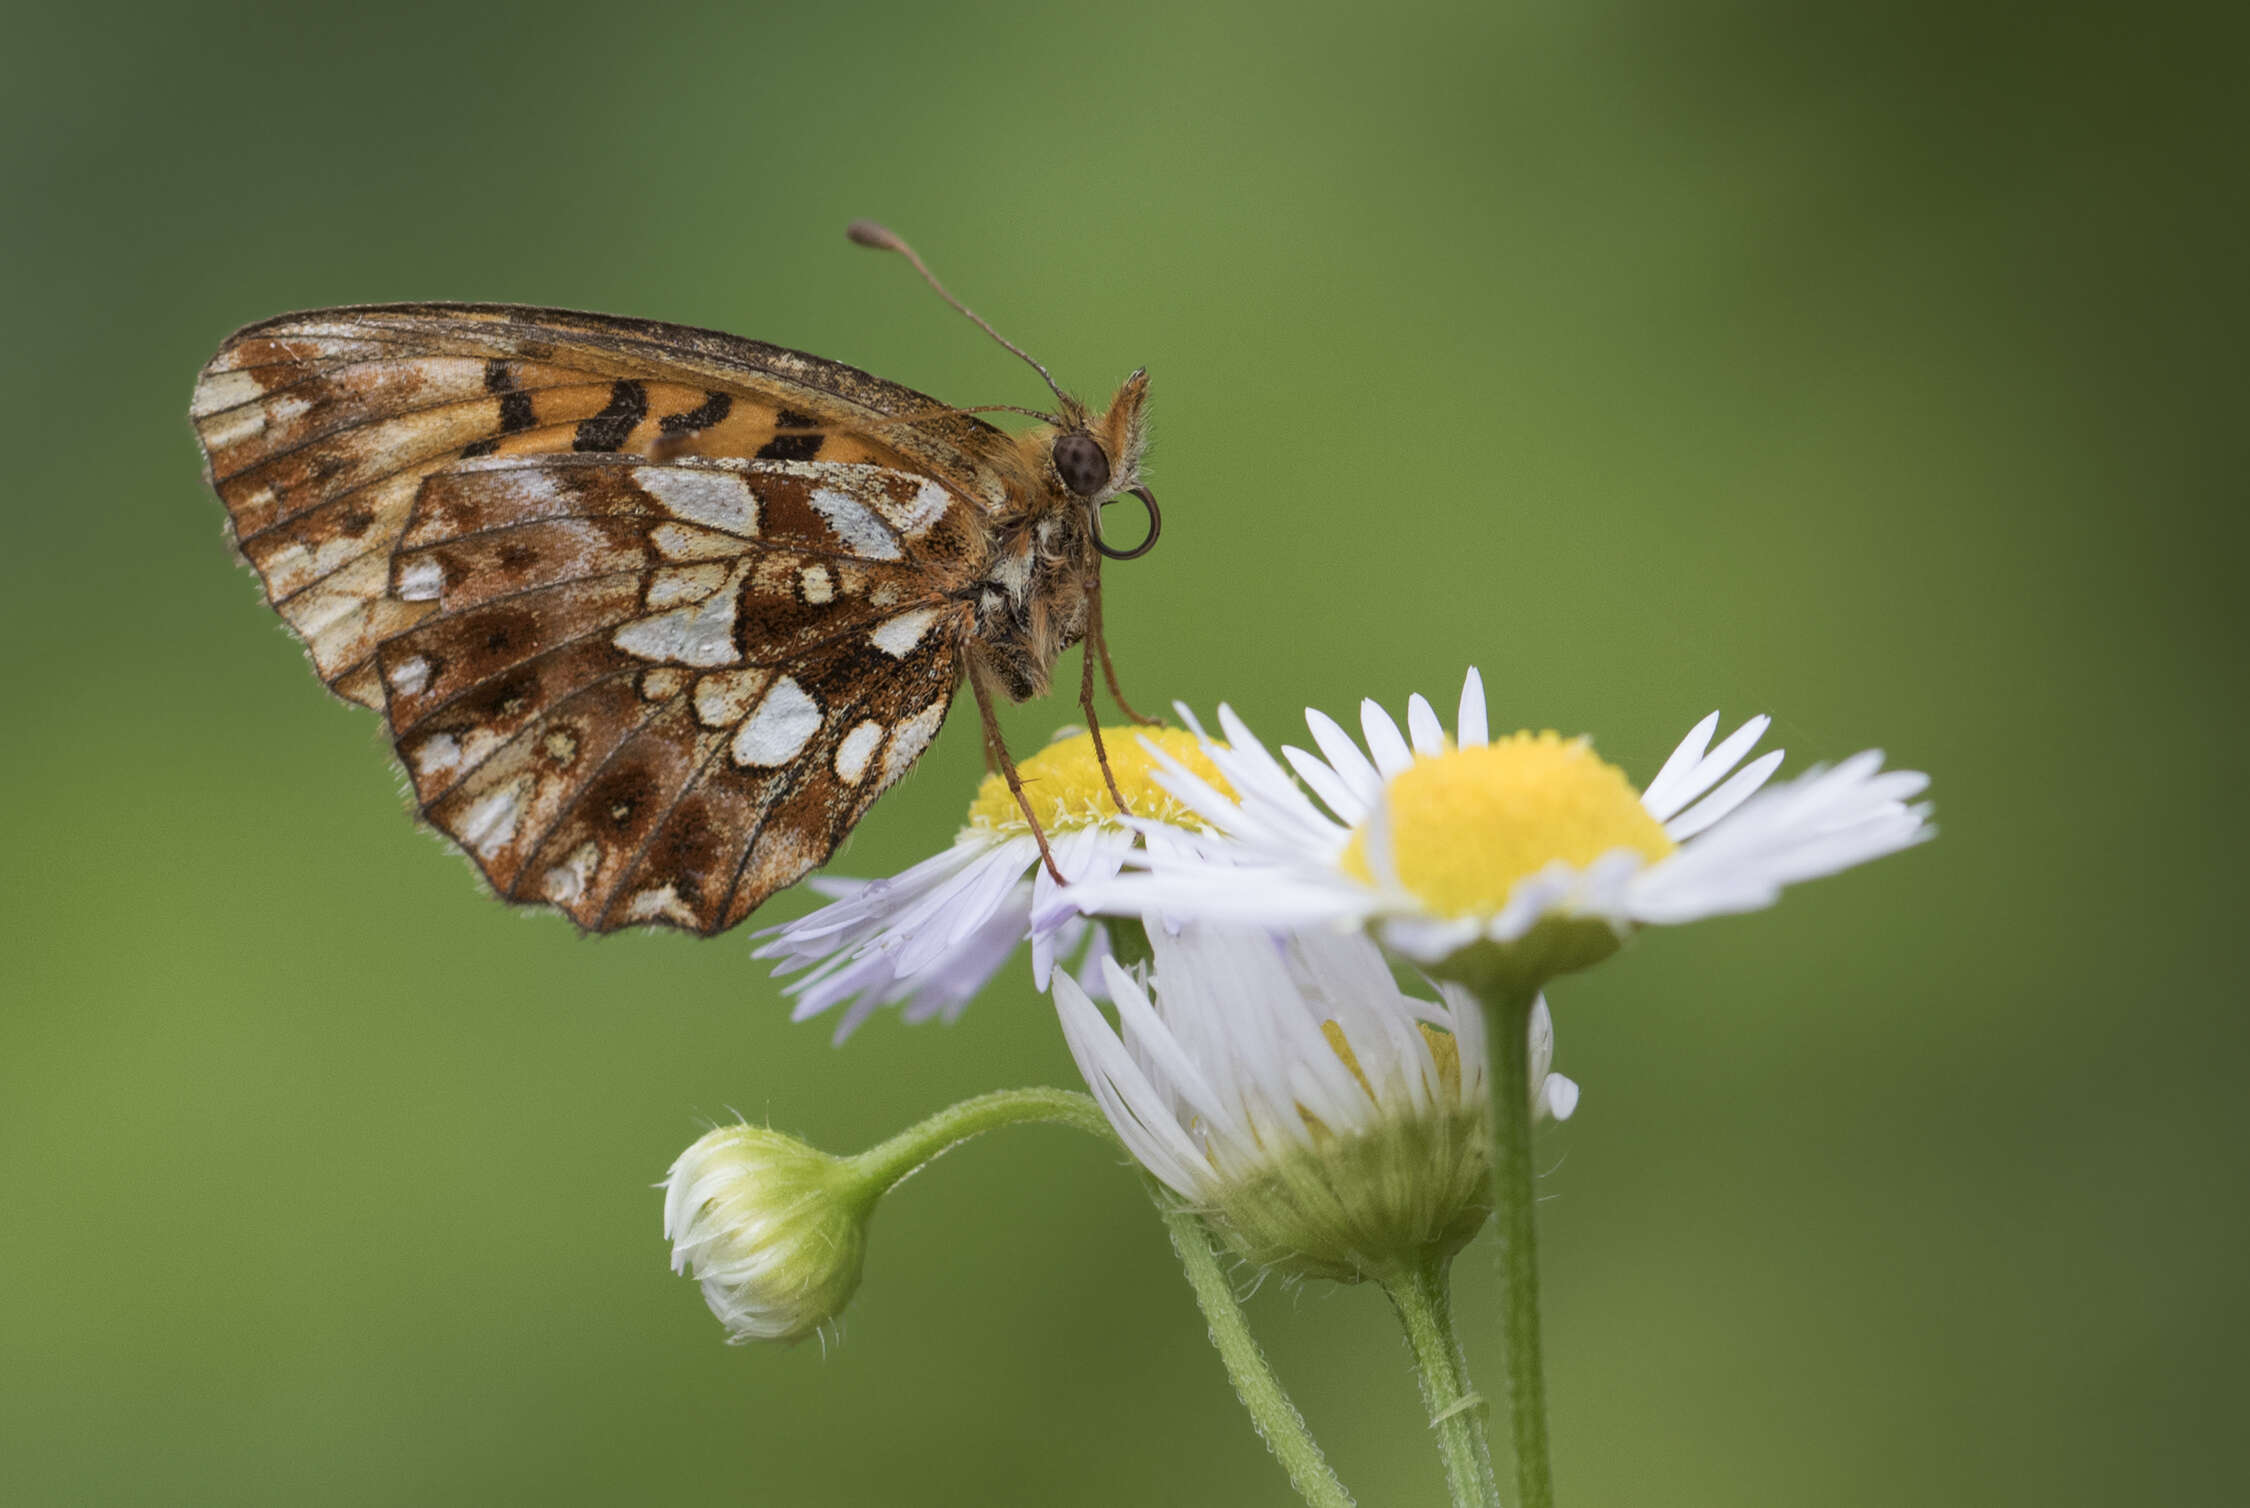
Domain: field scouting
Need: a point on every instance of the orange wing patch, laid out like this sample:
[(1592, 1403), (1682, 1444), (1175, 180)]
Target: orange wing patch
[(319, 440)]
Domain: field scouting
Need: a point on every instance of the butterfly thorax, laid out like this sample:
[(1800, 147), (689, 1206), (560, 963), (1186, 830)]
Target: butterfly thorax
[(1033, 597), (1031, 602)]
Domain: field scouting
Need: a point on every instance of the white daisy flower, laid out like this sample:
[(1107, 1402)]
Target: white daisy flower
[(1505, 860), (1327, 1122), (930, 937)]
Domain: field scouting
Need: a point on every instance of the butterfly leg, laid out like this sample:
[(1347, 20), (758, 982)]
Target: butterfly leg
[(996, 748), (1099, 643), (1094, 721)]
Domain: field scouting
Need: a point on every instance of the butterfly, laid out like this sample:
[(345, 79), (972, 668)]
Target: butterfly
[(653, 614)]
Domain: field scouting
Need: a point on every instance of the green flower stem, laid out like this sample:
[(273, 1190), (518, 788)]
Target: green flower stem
[(888, 1163), (1278, 1422), (1425, 1308), (1507, 1015)]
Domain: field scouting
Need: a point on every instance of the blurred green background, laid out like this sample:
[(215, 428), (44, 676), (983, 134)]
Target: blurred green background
[(1878, 367)]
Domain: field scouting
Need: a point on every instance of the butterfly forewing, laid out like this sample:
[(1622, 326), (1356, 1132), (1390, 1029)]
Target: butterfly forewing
[(319, 429), (653, 613)]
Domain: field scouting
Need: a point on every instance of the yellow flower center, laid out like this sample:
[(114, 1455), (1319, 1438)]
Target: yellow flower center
[(1064, 782), (1468, 824)]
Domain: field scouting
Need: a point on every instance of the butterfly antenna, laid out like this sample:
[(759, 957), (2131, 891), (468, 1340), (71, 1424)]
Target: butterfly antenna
[(882, 238)]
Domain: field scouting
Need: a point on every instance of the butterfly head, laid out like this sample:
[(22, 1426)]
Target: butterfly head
[(1098, 459), (1094, 460)]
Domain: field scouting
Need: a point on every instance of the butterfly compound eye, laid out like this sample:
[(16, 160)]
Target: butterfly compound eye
[(1079, 461)]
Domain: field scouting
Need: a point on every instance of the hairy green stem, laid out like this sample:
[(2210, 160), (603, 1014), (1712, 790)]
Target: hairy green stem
[(1425, 1308), (1276, 1418), (1507, 1017), (889, 1163)]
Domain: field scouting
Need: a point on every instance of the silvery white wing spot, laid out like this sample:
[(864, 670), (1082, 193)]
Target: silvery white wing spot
[(652, 613)]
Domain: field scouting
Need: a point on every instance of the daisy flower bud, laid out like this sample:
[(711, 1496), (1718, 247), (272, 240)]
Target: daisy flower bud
[(1326, 1122), (929, 938), (774, 1230)]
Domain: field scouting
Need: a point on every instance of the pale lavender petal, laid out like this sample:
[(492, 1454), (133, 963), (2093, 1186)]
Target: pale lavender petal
[(1078, 855), (970, 905)]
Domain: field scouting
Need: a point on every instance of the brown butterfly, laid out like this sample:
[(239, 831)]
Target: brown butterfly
[(653, 614)]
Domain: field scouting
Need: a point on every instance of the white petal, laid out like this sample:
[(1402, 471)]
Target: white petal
[(1710, 769), (1262, 780), (1531, 899), (1330, 787), (1726, 798), (1199, 794), (1428, 939), (1346, 978), (1422, 722), (1542, 1039), (1214, 880), (1472, 732), (1819, 823), (1127, 1098), (1384, 742), (1344, 756), (1376, 849), (1659, 797), (1179, 1072)]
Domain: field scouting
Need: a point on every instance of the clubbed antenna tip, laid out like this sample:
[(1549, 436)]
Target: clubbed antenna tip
[(875, 237)]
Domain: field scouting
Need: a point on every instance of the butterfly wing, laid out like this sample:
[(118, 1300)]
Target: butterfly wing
[(318, 430), (658, 692), (653, 613)]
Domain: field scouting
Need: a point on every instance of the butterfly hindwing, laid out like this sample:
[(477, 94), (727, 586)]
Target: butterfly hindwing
[(656, 692)]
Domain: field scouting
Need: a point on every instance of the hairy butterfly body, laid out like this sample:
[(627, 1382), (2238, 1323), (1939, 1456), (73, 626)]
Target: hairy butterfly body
[(652, 614)]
